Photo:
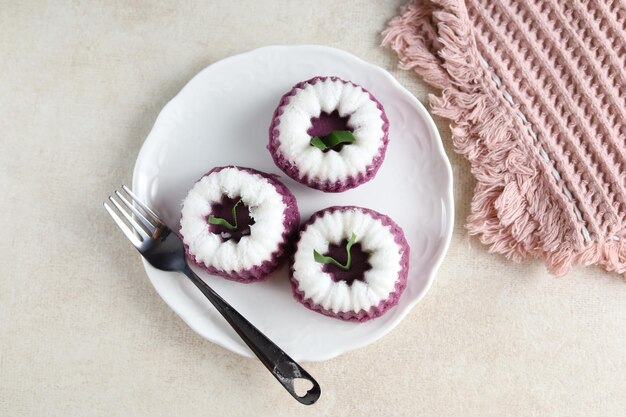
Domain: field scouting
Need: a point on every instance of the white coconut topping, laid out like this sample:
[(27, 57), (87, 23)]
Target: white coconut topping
[(333, 228), (365, 118), (265, 205)]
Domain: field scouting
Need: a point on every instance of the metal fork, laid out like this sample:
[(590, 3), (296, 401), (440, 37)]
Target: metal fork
[(164, 250)]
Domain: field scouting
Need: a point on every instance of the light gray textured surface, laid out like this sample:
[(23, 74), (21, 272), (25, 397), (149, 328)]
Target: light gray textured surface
[(82, 332)]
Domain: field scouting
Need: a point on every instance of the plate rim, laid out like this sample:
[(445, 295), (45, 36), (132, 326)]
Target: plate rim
[(448, 200)]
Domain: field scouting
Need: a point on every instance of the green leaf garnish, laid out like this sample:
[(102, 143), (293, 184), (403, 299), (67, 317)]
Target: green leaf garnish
[(334, 138), (223, 222), (329, 260)]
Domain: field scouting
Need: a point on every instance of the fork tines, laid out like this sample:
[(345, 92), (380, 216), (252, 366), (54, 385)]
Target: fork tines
[(132, 208)]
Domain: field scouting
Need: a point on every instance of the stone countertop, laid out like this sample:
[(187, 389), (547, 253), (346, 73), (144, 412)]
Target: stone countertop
[(82, 331)]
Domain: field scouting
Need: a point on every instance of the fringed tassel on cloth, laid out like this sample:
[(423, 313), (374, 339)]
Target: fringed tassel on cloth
[(518, 208)]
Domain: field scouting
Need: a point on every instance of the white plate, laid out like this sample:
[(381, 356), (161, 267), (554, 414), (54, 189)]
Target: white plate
[(221, 117)]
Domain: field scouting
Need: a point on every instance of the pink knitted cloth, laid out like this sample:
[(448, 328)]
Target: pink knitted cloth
[(536, 91)]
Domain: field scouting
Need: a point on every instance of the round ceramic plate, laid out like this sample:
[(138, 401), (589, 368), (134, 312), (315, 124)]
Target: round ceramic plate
[(221, 117)]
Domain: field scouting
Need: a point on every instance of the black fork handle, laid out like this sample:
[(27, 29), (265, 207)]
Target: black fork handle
[(284, 369)]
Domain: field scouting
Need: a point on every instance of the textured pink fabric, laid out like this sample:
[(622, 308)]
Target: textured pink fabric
[(536, 91)]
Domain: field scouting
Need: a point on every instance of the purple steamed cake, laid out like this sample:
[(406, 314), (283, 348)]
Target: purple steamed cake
[(287, 147), (246, 225), (304, 278)]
